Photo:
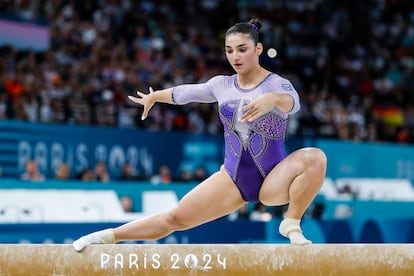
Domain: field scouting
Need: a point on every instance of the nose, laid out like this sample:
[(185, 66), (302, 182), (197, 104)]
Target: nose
[(235, 56)]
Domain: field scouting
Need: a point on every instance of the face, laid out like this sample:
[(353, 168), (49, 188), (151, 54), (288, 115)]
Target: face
[(242, 53), (31, 167)]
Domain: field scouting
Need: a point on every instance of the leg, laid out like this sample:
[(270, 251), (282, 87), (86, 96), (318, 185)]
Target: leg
[(193, 209), (297, 179)]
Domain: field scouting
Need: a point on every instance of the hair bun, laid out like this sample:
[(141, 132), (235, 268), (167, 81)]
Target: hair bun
[(256, 24)]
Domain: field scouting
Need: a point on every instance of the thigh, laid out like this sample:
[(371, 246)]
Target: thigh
[(213, 198), (275, 188)]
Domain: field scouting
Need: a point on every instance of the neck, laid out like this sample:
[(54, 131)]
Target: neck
[(252, 78)]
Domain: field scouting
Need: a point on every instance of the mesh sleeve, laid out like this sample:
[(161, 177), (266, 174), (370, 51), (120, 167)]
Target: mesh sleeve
[(200, 93), (282, 85)]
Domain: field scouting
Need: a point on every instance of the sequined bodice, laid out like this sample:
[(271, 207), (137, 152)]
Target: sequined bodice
[(269, 126)]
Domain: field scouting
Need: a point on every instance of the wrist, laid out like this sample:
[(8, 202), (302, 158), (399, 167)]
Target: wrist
[(162, 96), (275, 99), (283, 102)]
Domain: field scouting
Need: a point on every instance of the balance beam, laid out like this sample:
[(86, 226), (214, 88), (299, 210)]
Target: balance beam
[(208, 259)]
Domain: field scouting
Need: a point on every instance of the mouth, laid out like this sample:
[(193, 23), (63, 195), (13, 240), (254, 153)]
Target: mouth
[(237, 65)]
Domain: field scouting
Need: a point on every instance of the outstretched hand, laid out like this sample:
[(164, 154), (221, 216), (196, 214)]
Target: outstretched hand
[(146, 100), (258, 107)]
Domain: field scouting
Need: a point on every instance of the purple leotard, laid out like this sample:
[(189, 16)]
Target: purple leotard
[(252, 149)]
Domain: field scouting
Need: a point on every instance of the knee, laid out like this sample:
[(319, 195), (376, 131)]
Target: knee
[(315, 158), (175, 220)]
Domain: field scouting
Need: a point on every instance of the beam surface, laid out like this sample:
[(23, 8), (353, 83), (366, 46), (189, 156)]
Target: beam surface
[(207, 259)]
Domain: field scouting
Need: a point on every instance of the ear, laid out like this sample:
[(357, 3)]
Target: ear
[(259, 48)]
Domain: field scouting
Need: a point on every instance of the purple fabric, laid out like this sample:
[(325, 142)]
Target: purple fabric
[(252, 149)]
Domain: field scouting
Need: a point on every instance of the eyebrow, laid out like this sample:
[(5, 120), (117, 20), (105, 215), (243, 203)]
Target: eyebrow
[(238, 46)]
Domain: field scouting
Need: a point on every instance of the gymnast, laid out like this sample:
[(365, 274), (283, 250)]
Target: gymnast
[(253, 105)]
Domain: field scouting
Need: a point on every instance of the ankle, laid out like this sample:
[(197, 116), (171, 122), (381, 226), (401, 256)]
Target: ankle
[(298, 238), (289, 225)]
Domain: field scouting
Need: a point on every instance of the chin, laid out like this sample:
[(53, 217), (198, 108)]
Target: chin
[(238, 70)]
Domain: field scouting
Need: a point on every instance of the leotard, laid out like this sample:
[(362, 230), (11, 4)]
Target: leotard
[(252, 149)]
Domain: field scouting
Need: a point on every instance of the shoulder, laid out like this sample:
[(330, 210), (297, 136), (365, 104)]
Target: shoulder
[(221, 81), (277, 78), (221, 78), (282, 82)]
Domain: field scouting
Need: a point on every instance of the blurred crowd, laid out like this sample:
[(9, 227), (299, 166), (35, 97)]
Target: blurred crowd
[(351, 61), (99, 172)]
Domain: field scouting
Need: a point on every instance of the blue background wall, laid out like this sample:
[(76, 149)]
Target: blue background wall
[(352, 159), (82, 147)]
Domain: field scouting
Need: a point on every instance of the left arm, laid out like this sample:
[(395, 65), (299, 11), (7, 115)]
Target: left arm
[(285, 102), (282, 96)]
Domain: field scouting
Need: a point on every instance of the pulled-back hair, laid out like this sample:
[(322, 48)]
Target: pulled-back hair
[(250, 28)]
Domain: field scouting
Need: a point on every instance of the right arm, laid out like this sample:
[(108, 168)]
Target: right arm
[(148, 100), (182, 94)]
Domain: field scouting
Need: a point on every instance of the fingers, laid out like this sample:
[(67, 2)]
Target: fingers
[(143, 99), (134, 99), (144, 114), (146, 111), (139, 98), (247, 107), (251, 115), (251, 112), (140, 94)]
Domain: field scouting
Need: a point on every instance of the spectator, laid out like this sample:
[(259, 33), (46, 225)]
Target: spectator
[(185, 176), (347, 192), (100, 172), (127, 204), (63, 172), (31, 172), (127, 173), (345, 209), (85, 175), (163, 176), (199, 174)]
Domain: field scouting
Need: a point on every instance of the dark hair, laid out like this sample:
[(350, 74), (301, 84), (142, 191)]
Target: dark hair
[(250, 28)]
